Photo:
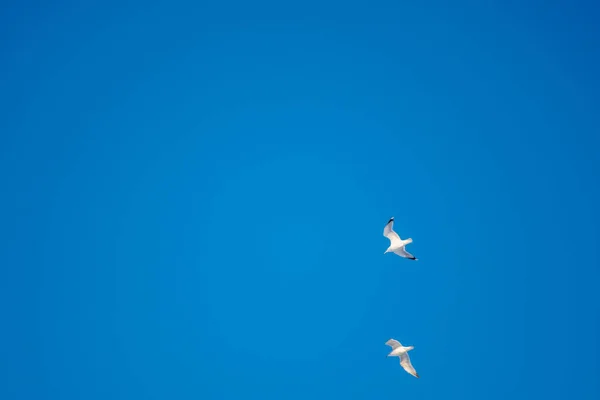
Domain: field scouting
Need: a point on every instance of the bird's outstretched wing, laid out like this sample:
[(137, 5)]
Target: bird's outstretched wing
[(393, 343), (389, 233), (405, 362), (403, 253)]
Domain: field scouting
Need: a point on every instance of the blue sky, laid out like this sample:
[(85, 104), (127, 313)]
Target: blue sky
[(194, 197)]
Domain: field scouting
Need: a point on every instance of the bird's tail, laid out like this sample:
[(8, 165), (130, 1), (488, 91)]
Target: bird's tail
[(409, 348), (407, 241)]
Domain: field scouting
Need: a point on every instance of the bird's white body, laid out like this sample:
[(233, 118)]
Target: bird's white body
[(397, 245), (402, 352), (397, 352)]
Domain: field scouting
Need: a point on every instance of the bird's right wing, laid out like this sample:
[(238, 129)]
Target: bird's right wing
[(389, 233), (405, 362), (393, 343)]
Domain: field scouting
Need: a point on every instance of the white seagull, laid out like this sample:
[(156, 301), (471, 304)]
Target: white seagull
[(400, 351), (396, 244)]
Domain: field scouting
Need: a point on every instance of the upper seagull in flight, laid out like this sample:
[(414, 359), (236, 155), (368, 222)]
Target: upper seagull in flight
[(396, 244), (400, 351)]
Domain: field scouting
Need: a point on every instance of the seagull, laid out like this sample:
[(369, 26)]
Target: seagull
[(396, 244), (400, 351)]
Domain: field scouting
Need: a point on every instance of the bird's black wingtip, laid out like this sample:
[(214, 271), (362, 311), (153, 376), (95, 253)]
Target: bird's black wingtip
[(390, 220)]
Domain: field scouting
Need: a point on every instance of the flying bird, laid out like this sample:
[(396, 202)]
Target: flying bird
[(400, 351), (396, 244)]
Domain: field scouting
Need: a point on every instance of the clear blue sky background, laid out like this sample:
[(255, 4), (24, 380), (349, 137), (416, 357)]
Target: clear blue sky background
[(193, 199)]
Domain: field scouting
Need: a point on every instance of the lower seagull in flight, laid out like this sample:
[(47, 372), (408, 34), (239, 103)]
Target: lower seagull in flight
[(400, 351), (396, 244)]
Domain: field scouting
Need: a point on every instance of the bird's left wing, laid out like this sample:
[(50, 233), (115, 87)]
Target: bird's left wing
[(405, 362), (403, 253)]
